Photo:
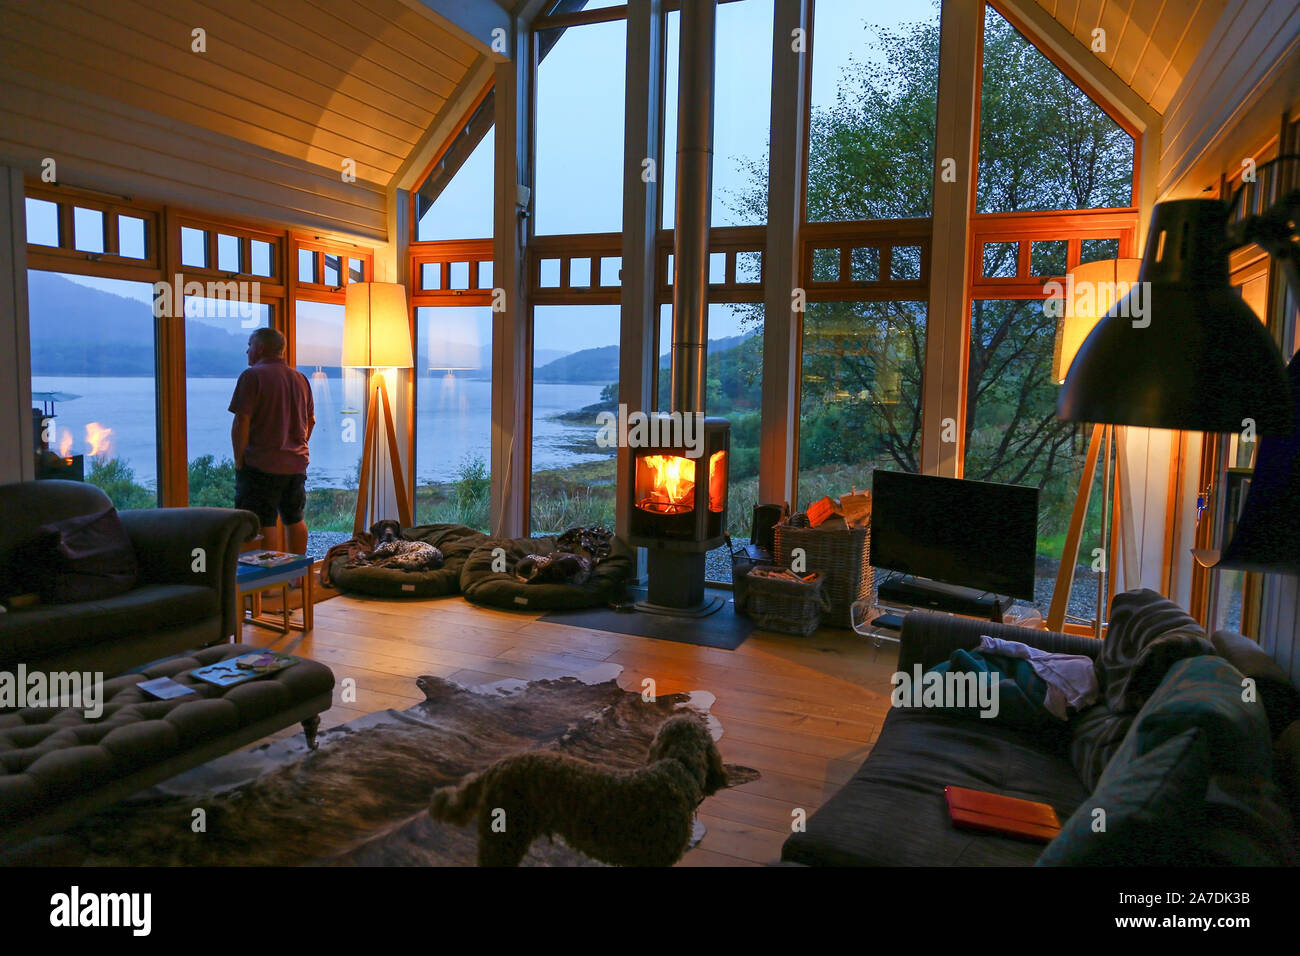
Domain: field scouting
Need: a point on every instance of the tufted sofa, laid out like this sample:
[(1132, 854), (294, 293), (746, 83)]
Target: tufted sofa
[(58, 764), (172, 608)]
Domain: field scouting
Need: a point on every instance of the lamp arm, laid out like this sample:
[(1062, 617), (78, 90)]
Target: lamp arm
[(1275, 232), (1273, 228)]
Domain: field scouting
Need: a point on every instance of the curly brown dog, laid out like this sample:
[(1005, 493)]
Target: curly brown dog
[(641, 817)]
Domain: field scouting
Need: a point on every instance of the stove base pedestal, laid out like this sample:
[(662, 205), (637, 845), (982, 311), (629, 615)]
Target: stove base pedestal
[(704, 609), (676, 584)]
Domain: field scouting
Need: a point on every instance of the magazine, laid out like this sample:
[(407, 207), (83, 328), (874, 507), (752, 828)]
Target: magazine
[(268, 559), (236, 670), (164, 688)]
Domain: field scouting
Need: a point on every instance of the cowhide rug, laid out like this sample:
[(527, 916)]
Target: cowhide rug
[(361, 798)]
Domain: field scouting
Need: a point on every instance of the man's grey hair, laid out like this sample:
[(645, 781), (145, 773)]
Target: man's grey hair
[(271, 341)]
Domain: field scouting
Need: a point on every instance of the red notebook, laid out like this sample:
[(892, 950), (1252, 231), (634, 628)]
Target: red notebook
[(995, 813)]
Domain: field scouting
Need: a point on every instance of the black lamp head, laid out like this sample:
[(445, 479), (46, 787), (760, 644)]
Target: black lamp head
[(1182, 350)]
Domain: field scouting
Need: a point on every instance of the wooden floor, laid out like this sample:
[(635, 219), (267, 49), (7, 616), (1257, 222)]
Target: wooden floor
[(802, 711)]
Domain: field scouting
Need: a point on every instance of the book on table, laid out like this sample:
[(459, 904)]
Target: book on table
[(237, 670)]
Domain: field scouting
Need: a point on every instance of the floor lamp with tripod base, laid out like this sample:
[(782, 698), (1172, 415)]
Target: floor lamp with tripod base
[(377, 336), (1091, 290)]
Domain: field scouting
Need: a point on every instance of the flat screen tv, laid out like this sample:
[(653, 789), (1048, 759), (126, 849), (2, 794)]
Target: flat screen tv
[(974, 534)]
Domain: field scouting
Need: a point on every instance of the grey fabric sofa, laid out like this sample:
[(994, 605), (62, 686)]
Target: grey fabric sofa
[(172, 608), (893, 812)]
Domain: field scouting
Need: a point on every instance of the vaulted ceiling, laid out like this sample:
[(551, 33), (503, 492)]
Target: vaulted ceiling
[(317, 80), (1149, 44)]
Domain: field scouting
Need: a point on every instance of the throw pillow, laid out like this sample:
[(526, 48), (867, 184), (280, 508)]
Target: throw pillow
[(84, 558)]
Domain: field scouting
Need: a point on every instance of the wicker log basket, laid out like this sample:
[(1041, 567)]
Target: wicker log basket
[(789, 607), (843, 555)]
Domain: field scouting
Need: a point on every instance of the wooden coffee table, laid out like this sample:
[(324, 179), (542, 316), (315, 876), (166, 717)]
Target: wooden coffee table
[(254, 580)]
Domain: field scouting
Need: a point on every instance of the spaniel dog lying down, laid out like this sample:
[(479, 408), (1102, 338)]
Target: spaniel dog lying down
[(578, 551), (391, 550), (642, 817)]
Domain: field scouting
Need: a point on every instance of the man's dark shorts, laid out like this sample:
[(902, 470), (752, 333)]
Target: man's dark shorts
[(267, 495)]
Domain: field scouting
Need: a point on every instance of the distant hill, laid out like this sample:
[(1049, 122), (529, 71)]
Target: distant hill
[(598, 365), (77, 330)]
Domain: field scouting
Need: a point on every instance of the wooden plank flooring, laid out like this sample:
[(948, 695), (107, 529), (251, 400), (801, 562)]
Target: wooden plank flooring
[(802, 711)]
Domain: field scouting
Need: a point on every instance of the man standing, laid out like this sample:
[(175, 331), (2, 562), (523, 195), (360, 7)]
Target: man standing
[(274, 417)]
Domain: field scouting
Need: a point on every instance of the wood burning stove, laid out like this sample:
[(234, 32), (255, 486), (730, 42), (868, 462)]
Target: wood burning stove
[(678, 508)]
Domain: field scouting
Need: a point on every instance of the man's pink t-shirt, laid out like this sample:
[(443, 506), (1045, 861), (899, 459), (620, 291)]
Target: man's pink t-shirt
[(277, 399)]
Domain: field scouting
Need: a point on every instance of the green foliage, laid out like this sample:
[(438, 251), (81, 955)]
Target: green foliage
[(116, 478), (212, 485)]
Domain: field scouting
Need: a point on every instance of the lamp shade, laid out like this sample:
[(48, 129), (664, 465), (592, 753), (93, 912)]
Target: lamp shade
[(1091, 290), (1181, 350), (376, 326)]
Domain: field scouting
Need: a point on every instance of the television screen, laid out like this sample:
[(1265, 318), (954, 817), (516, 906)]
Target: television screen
[(974, 534)]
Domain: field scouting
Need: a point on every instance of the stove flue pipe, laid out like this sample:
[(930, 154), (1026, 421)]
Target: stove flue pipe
[(694, 201)]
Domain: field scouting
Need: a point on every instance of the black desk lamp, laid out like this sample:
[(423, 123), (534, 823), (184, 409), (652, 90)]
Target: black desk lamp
[(1198, 359)]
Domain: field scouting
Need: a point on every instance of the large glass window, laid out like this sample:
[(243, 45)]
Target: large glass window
[(860, 400), (1013, 435), (575, 377), (339, 397), (1044, 144), (464, 207), (216, 343), (742, 114), (453, 424), (874, 95), (579, 129), (93, 383)]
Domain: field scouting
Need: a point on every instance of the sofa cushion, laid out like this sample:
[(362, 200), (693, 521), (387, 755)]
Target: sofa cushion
[(37, 632), (1280, 698), (893, 811), (82, 558), (31, 504)]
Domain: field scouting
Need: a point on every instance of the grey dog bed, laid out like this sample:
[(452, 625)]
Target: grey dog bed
[(456, 542), (483, 585)]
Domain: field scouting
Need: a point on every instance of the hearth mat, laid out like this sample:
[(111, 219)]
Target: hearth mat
[(723, 628)]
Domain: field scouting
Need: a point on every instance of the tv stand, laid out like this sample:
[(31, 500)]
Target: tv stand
[(933, 596)]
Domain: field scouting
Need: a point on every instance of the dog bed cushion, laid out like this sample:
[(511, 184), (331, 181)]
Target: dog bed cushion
[(483, 585), (455, 541)]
